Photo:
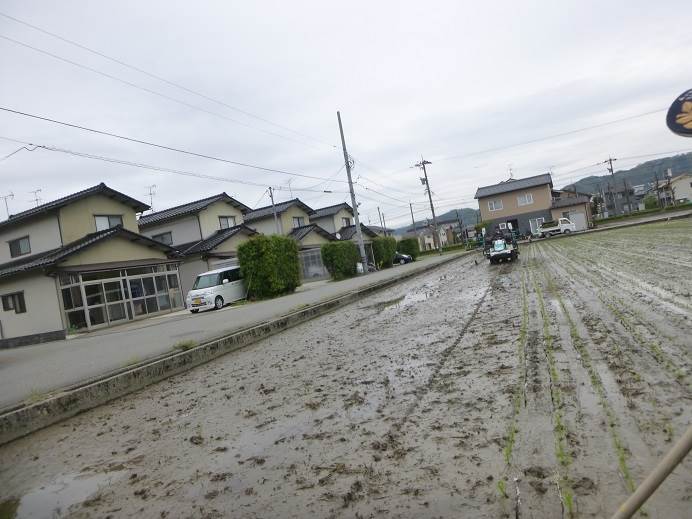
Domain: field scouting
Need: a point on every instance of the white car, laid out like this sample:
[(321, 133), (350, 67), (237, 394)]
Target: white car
[(215, 288)]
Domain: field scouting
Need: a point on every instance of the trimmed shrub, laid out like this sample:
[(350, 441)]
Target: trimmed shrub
[(489, 226), (410, 246), (340, 258), (384, 249), (269, 265)]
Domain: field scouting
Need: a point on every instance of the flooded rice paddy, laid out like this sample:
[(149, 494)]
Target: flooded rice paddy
[(543, 388)]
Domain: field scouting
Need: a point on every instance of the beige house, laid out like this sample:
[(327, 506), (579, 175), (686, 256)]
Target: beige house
[(333, 218), (289, 215), (575, 206), (526, 203), (78, 263), (206, 232)]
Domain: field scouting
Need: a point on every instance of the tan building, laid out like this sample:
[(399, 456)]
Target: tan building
[(339, 220), (289, 215), (207, 233), (528, 202), (78, 263)]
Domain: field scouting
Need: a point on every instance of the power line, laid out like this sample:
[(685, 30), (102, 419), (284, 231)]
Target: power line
[(162, 79), (150, 91), (151, 167), (553, 136), (162, 146)]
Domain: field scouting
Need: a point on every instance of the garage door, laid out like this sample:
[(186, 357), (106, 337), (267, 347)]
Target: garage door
[(579, 220)]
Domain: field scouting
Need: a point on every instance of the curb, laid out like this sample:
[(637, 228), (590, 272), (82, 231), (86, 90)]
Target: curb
[(24, 419)]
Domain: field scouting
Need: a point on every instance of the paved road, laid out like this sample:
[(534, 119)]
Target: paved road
[(32, 370)]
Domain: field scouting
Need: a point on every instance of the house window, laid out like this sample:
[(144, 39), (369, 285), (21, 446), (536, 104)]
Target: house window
[(565, 214), (495, 205), (20, 246), (226, 222), (503, 226), (345, 222), (525, 199), (106, 221), (165, 238), (298, 221), (14, 302)]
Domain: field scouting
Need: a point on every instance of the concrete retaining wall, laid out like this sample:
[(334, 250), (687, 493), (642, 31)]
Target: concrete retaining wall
[(27, 418)]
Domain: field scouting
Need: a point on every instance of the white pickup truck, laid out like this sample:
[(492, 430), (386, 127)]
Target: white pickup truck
[(562, 226)]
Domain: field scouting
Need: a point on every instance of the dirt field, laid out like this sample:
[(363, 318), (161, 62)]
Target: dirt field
[(545, 388)]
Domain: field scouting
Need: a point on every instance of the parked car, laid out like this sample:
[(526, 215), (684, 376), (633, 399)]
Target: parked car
[(562, 226), (215, 288), (402, 259)]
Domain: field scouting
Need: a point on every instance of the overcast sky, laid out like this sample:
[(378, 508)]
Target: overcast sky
[(439, 79)]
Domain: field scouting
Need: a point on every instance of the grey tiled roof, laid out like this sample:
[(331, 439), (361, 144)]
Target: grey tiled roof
[(298, 233), (514, 185), (330, 210), (264, 212), (569, 201), (100, 189), (215, 240), (54, 256), (189, 208), (349, 232)]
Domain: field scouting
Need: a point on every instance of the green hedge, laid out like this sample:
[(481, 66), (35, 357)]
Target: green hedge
[(384, 249), (269, 265), (340, 258), (410, 246), (646, 212)]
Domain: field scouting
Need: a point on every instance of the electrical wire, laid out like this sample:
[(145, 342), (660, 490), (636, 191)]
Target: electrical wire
[(16, 151), (162, 146), (150, 91), (162, 79), (156, 168)]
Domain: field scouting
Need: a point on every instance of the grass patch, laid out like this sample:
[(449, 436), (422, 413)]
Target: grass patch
[(35, 396), (502, 488), (185, 345)]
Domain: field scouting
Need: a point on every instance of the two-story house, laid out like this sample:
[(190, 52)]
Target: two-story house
[(206, 232), (78, 263), (339, 220), (526, 203)]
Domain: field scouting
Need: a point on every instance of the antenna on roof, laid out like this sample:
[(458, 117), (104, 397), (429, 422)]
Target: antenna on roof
[(511, 173), (152, 192), (36, 199), (10, 195)]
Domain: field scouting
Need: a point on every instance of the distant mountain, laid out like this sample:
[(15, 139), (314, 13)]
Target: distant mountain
[(468, 217), (639, 174)]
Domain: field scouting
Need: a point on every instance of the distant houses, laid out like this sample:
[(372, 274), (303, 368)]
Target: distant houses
[(92, 259)]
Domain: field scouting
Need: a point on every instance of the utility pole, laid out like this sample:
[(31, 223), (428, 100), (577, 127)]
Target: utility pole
[(359, 232), (413, 220), (36, 199), (11, 197), (289, 187), (612, 174), (152, 192), (384, 222), (425, 182), (276, 218), (380, 215)]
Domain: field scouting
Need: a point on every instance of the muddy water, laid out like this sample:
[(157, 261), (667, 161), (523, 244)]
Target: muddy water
[(473, 391)]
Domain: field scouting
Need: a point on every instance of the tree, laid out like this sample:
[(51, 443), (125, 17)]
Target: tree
[(650, 202)]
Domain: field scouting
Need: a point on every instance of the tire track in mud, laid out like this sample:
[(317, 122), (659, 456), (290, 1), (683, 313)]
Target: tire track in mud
[(390, 440), (626, 420)]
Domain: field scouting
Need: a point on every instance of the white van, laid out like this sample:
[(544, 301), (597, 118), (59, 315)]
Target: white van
[(215, 288)]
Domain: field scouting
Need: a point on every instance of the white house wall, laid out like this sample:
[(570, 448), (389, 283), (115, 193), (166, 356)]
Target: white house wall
[(183, 230), (264, 226), (43, 308), (44, 235)]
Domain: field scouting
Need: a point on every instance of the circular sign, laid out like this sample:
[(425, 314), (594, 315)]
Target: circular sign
[(679, 118)]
